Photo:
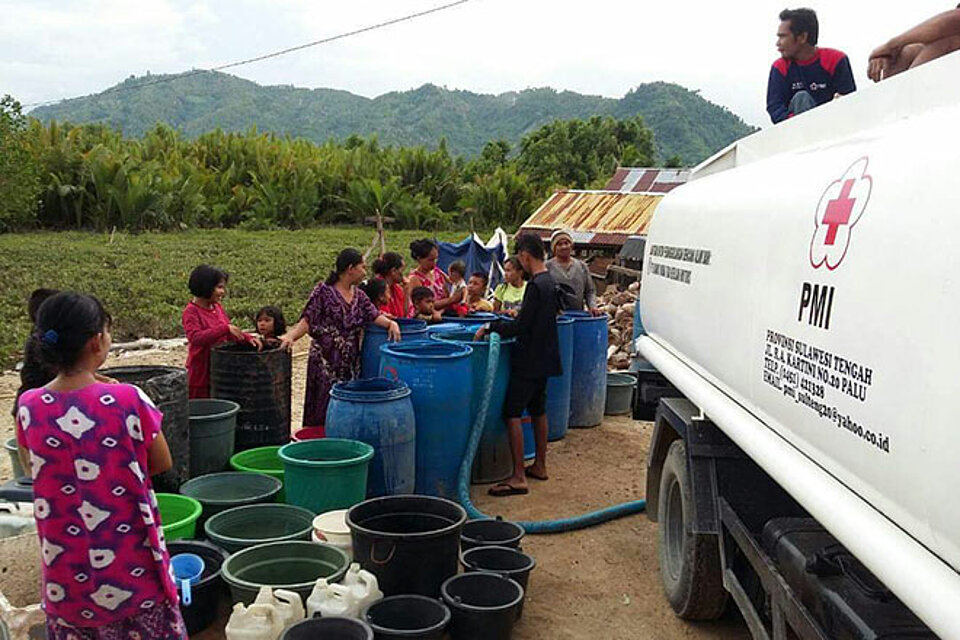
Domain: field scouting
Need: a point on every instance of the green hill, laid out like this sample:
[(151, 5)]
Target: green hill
[(684, 124)]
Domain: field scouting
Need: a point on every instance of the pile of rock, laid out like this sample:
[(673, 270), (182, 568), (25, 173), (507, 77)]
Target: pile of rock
[(620, 305)]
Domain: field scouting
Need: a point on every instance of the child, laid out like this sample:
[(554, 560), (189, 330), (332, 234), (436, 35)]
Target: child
[(270, 324), (207, 325), (376, 290), (508, 295), (476, 288), (423, 299), (91, 449), (458, 285)]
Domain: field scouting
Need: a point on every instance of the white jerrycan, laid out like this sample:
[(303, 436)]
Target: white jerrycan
[(256, 622), (363, 585), (288, 604), (332, 600)]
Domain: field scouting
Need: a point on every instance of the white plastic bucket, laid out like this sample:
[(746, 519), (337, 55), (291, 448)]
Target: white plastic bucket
[(331, 528)]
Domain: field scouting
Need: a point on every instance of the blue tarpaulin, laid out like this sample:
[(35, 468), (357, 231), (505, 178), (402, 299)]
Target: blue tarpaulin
[(477, 257)]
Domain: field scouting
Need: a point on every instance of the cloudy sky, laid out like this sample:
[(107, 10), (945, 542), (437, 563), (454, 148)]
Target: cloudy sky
[(56, 49)]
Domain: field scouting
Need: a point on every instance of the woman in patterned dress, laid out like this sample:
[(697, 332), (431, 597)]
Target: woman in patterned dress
[(429, 275), (334, 316)]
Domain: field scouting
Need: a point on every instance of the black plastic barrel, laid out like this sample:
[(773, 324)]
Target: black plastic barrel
[(410, 543), (407, 617), (167, 388), (209, 590), (260, 382), (484, 606), (487, 533), (328, 628)]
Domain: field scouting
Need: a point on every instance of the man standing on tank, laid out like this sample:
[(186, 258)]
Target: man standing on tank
[(535, 357), (805, 76)]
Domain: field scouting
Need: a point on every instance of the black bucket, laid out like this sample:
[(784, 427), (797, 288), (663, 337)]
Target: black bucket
[(409, 542), (260, 382), (407, 618), (486, 533), (328, 628), (167, 388), (484, 605), (507, 562), (208, 592)]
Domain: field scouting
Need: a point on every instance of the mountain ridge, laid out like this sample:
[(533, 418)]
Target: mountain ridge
[(684, 123)]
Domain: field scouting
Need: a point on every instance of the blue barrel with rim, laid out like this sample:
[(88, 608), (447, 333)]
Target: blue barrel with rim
[(440, 377), (588, 384), (558, 387), (375, 337), (379, 412)]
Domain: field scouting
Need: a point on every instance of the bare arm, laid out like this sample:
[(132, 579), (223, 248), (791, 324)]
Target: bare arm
[(393, 329), (158, 456), (940, 26), (294, 333), (24, 456)]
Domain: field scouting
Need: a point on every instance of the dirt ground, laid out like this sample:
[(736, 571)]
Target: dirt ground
[(602, 582)]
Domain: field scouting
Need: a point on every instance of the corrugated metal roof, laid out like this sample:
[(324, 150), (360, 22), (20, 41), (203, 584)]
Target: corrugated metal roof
[(633, 248), (645, 179), (595, 213)]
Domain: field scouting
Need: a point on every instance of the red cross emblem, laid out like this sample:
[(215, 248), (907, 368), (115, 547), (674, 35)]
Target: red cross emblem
[(839, 209)]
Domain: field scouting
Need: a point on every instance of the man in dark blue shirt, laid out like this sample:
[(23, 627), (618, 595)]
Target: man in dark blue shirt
[(805, 76)]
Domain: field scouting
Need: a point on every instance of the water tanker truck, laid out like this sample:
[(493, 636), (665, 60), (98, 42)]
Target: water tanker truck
[(801, 296)]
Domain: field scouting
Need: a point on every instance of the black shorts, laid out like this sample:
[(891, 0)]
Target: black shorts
[(525, 393)]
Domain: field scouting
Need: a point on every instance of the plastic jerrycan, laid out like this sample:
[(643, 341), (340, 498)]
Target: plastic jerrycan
[(256, 622), (332, 600), (288, 604), (363, 585)]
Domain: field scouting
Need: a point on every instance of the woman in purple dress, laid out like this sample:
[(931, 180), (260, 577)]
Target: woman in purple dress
[(334, 316)]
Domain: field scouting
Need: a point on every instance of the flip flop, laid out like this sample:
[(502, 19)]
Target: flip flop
[(536, 476), (503, 489)]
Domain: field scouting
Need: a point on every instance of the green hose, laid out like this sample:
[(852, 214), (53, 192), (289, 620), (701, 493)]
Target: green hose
[(542, 526)]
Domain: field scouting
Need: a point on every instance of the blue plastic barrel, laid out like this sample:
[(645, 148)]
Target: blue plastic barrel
[(478, 317), (588, 385), (493, 461), (374, 337), (558, 387), (440, 377), (444, 327), (379, 412)]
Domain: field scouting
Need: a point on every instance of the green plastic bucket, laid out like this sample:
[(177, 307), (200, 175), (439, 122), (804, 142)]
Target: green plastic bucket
[(326, 474), (261, 460), (295, 566), (221, 491), (213, 426), (241, 527), (12, 450), (178, 515)]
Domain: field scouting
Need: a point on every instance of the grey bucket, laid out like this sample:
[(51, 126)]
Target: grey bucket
[(213, 427), (11, 447), (620, 387)]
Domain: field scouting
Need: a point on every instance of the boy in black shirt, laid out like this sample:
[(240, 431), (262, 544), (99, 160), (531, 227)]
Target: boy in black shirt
[(535, 357)]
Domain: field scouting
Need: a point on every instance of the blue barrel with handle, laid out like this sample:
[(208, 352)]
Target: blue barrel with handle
[(558, 387), (375, 337), (379, 412), (440, 377), (588, 385), (493, 461)]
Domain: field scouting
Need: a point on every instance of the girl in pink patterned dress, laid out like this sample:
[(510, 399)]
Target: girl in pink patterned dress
[(91, 449)]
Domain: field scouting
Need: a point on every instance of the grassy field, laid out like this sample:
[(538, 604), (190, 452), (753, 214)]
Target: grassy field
[(142, 279)]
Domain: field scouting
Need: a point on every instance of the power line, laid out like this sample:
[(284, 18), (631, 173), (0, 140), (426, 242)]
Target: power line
[(265, 56)]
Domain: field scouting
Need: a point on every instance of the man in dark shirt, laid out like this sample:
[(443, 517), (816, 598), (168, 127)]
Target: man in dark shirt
[(535, 357), (805, 76)]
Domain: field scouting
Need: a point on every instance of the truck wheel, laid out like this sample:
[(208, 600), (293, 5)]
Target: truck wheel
[(689, 563)]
